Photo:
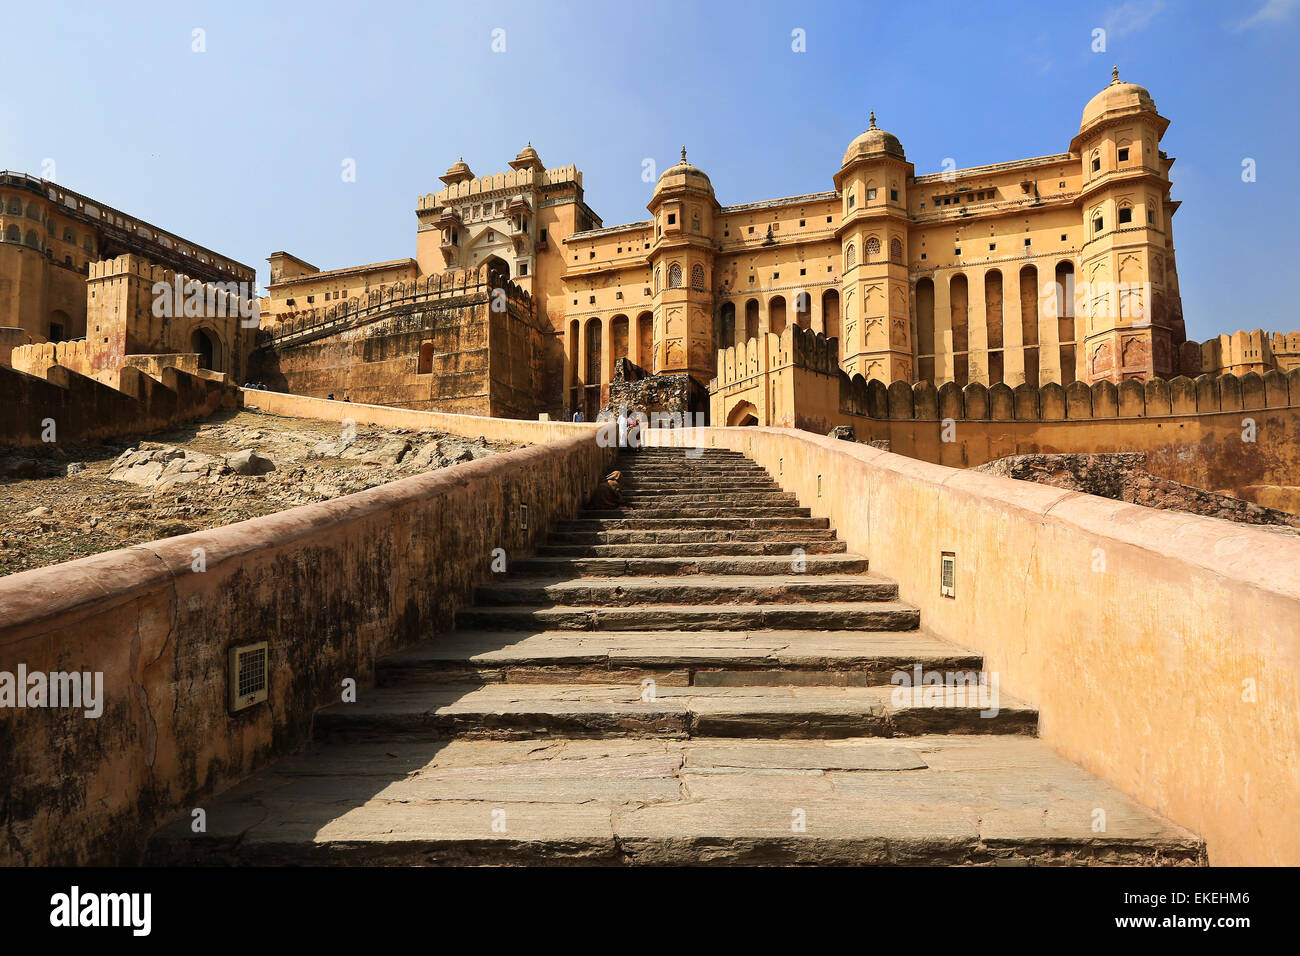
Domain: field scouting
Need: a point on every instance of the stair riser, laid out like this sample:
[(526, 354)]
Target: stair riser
[(672, 721), (678, 672), (685, 591), (671, 514), (698, 549), (664, 567), (710, 499), (781, 538), (805, 849), (641, 523), (719, 618)]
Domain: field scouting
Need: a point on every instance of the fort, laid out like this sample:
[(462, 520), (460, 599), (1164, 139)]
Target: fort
[(771, 581)]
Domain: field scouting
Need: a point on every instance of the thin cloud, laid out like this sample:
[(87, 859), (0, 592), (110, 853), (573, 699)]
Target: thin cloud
[(1132, 17), (1273, 11)]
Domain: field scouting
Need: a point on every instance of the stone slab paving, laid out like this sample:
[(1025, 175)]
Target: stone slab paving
[(929, 799), (663, 686)]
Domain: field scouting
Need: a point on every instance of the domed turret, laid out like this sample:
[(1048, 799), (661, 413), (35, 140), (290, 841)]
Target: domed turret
[(1116, 99), (872, 143), (459, 171), (527, 159), (683, 175)]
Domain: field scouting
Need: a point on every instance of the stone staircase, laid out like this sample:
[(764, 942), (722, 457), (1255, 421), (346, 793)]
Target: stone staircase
[(703, 677)]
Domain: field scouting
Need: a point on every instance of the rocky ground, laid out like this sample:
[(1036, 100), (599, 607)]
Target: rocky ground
[(66, 502)]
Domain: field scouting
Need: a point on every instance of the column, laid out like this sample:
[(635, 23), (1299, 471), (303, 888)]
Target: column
[(943, 363)]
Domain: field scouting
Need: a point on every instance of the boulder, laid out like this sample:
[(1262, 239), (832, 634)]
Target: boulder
[(249, 462)]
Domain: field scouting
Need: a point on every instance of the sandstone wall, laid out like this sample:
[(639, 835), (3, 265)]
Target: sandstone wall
[(331, 586), (83, 409), (1161, 649), (1214, 432), (386, 416)]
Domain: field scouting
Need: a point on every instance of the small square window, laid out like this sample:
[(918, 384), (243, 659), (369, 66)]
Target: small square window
[(1125, 214), (1151, 217), (592, 254), (523, 269), (871, 195), (1061, 184), (672, 219), (853, 201), (803, 222), (992, 246), (592, 300), (1096, 165), (1123, 155), (956, 252), (803, 272), (542, 236), (829, 219), (751, 230), (1097, 224), (923, 257), (726, 232), (1063, 237), (922, 205), (776, 275), (1028, 242), (893, 195), (618, 295)]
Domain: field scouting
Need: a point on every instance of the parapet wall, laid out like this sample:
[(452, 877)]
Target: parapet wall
[(1161, 649), (79, 408), (1215, 432), (330, 586), (387, 416)]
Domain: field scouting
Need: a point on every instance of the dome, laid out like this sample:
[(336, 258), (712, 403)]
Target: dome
[(873, 142), (1118, 97), (684, 175), (457, 172), (526, 159)]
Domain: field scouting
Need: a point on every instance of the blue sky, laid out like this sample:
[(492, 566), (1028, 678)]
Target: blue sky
[(241, 147)]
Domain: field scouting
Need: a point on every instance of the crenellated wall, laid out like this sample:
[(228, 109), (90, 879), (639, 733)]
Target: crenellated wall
[(1218, 432)]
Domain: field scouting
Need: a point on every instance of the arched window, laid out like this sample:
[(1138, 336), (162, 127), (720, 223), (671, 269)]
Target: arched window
[(697, 277), (1096, 161), (1125, 213), (13, 234), (69, 236), (32, 239), (15, 206), (426, 358), (895, 250), (656, 280), (33, 211), (850, 257), (872, 250), (674, 276)]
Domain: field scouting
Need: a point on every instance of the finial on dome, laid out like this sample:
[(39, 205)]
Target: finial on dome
[(873, 120), (683, 154), (1114, 74)]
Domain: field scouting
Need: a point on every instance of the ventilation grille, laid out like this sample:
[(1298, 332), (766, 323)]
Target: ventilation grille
[(948, 574), (247, 675)]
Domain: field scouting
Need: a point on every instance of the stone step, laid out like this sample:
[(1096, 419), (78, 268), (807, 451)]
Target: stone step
[(683, 658), (681, 484), (849, 616), (693, 550), (643, 523), (699, 512), (739, 470), (781, 538), (512, 711), (702, 589), (694, 499), (934, 799), (679, 564)]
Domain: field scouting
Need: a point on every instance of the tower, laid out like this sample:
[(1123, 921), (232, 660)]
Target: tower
[(683, 208), (873, 233), (1126, 297)]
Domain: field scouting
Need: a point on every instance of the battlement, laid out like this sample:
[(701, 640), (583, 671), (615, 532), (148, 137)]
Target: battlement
[(744, 368), (297, 327), (515, 179)]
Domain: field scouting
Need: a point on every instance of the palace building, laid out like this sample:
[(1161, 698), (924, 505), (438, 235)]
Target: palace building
[(1058, 268), (519, 301)]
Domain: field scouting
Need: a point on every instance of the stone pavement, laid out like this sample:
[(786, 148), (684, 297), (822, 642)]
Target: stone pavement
[(702, 678)]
